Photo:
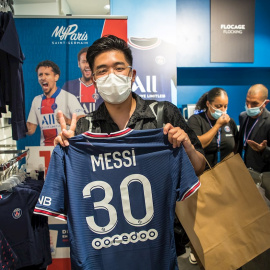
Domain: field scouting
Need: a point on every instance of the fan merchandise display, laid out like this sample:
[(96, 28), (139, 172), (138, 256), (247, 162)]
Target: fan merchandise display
[(86, 94), (11, 74), (27, 234), (43, 113), (117, 192)]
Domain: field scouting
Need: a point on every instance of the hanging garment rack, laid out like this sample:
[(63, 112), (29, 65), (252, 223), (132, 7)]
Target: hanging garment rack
[(7, 3), (20, 155)]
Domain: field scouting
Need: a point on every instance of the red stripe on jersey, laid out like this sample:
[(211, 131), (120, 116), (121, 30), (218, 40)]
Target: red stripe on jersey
[(87, 93), (112, 135), (115, 27), (191, 191), (47, 213), (49, 136), (46, 105)]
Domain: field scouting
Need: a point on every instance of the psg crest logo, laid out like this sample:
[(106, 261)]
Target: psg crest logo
[(17, 213), (227, 129), (95, 96), (54, 106)]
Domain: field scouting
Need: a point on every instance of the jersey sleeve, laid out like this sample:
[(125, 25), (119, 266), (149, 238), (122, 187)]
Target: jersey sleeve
[(51, 201), (188, 181), (32, 117), (74, 105)]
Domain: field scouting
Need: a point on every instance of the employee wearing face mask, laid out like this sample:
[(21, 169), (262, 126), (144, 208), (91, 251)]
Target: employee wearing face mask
[(215, 129), (110, 60), (254, 142)]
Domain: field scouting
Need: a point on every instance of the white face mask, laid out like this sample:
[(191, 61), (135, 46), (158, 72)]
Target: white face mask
[(114, 89)]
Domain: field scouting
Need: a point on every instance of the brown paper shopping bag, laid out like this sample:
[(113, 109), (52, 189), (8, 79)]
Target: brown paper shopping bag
[(227, 220)]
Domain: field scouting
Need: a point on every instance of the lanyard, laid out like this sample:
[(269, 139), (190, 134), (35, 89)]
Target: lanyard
[(246, 136), (218, 139)]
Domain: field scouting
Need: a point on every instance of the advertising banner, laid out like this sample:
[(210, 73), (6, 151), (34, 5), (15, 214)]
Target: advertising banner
[(232, 30), (60, 39)]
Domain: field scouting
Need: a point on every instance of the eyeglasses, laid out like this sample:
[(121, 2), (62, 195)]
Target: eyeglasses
[(105, 71)]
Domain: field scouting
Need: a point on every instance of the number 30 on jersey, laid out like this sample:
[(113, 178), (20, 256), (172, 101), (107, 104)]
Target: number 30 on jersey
[(105, 203)]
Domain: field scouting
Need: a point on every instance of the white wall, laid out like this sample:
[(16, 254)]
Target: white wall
[(52, 7)]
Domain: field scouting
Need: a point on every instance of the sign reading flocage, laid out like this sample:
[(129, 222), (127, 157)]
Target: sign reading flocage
[(232, 30)]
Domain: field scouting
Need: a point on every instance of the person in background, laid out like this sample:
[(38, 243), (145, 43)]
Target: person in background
[(216, 131), (110, 59), (254, 142), (83, 88), (44, 107)]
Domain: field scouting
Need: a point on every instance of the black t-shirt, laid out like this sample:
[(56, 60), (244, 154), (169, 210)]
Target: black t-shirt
[(144, 117), (229, 137)]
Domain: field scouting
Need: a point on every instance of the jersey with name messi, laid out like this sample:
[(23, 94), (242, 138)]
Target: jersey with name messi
[(118, 193)]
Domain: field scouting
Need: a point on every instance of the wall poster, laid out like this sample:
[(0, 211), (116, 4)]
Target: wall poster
[(58, 39)]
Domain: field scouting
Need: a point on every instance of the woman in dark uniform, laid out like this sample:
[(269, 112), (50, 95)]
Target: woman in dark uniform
[(216, 131)]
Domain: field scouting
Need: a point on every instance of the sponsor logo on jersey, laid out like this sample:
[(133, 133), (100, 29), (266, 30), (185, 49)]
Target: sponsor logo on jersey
[(124, 238), (48, 120), (227, 129), (45, 200), (17, 213), (69, 35)]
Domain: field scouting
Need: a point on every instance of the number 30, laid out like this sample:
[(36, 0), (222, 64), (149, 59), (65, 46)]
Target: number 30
[(104, 204)]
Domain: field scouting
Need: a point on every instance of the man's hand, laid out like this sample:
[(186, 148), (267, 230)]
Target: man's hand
[(256, 146), (64, 135), (176, 136)]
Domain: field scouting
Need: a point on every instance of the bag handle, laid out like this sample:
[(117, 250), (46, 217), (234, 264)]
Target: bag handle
[(227, 157)]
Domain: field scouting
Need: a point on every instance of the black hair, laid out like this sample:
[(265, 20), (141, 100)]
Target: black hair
[(209, 96), (108, 43), (48, 63), (83, 50)]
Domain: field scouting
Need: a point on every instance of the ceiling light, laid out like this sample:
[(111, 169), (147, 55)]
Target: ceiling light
[(107, 7)]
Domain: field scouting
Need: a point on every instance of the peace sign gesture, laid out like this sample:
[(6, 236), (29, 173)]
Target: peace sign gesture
[(65, 134)]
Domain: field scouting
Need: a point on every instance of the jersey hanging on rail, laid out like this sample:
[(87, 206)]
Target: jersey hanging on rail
[(154, 60), (118, 193)]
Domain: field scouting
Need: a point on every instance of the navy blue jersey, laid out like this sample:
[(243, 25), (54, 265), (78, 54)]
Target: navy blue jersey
[(16, 210), (11, 74), (118, 193), (155, 62)]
